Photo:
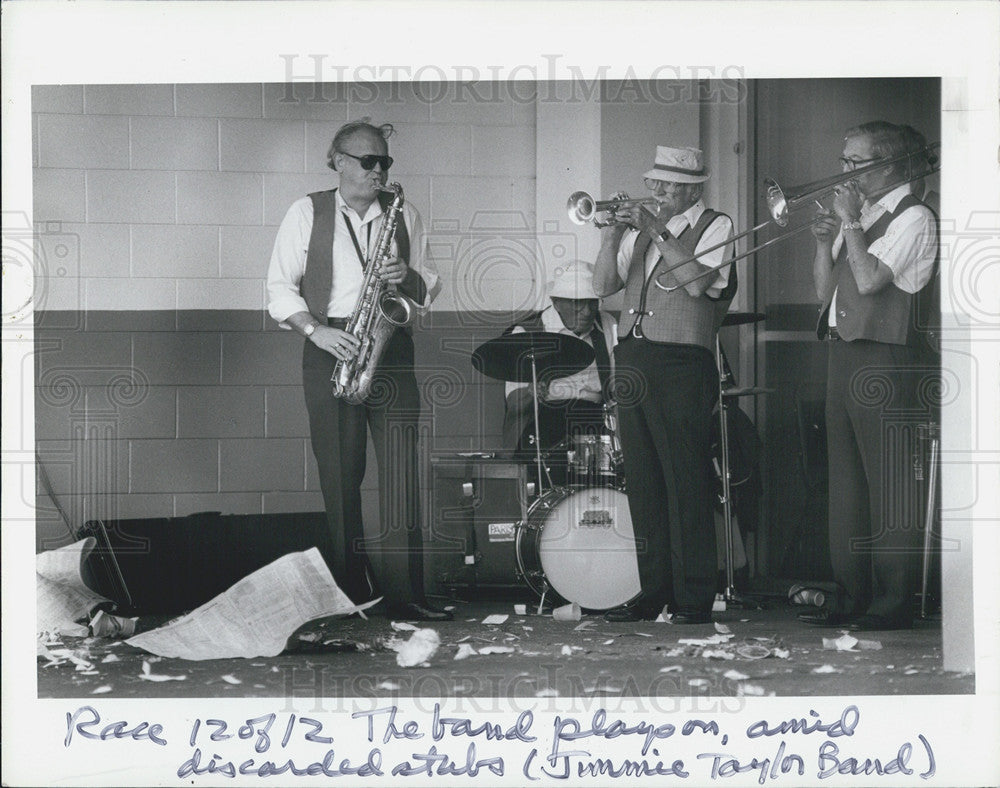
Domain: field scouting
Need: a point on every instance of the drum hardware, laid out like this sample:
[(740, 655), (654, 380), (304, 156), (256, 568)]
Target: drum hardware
[(750, 391), (726, 398), (522, 357), (930, 432)]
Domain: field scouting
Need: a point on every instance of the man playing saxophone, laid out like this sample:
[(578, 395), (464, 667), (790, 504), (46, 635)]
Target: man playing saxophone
[(314, 282)]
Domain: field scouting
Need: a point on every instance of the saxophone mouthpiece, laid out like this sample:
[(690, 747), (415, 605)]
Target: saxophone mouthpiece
[(393, 188)]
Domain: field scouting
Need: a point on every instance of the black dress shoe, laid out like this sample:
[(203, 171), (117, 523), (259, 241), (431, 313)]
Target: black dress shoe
[(825, 618), (691, 616), (872, 622), (633, 611), (417, 611)]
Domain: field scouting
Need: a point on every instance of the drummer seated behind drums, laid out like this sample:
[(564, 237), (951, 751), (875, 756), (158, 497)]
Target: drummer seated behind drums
[(570, 405)]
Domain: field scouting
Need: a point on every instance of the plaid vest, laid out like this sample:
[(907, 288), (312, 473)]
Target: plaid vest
[(676, 317)]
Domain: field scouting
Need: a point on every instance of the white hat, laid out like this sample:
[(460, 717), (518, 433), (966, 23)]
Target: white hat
[(680, 165), (575, 280)]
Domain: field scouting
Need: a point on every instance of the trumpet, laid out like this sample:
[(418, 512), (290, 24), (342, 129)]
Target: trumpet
[(781, 202), (583, 208)]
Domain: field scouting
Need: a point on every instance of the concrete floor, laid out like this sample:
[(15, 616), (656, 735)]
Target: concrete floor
[(771, 653)]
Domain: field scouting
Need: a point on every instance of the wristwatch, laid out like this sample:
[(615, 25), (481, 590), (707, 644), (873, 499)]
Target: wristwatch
[(309, 330), (855, 225)]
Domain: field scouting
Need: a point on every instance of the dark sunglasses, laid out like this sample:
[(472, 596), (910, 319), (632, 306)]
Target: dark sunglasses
[(369, 160)]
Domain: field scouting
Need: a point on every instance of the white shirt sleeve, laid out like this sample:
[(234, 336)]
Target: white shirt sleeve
[(288, 262), (718, 231), (909, 248), (420, 260), (625, 249)]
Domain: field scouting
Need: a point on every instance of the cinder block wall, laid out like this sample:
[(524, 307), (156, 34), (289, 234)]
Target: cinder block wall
[(162, 387)]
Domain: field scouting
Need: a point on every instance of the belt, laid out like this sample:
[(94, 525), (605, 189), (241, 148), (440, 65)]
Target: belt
[(832, 334)]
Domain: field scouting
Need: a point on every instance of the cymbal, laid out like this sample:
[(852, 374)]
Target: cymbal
[(739, 318), (508, 357), (750, 391)]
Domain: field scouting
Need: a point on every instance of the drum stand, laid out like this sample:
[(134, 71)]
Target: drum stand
[(538, 454), (933, 434), (729, 595), (538, 435)]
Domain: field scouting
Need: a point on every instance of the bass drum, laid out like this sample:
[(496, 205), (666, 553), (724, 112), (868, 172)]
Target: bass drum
[(578, 542)]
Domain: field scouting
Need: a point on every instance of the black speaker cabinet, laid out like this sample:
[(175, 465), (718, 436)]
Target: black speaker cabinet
[(478, 502), (170, 565)]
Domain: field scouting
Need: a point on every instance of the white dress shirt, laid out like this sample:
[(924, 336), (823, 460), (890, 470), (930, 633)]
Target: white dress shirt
[(908, 248), (717, 232), (288, 259)]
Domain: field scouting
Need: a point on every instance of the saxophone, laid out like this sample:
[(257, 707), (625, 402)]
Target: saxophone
[(378, 312)]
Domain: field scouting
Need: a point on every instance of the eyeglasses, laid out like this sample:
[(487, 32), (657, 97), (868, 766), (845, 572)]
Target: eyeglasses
[(369, 160), (655, 184), (853, 164)]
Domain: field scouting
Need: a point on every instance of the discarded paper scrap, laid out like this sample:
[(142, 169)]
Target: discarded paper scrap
[(421, 646), (844, 643), (570, 612), (63, 596), (256, 616)]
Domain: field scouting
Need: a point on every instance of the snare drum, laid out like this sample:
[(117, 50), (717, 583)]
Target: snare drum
[(578, 542), (594, 459)]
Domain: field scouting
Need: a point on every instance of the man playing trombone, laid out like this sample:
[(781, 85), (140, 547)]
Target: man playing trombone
[(666, 380), (875, 257)]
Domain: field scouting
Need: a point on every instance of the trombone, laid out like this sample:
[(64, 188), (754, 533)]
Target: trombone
[(583, 208), (781, 202)]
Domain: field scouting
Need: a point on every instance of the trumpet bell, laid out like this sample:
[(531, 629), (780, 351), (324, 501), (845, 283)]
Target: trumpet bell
[(581, 207)]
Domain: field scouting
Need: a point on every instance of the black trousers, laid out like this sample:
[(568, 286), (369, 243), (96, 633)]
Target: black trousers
[(665, 419), (339, 434), (874, 522)]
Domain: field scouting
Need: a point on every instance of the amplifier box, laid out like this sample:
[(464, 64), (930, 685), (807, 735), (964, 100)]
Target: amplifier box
[(478, 504), (172, 564)]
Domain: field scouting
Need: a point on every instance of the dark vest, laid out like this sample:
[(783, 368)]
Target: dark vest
[(891, 315), (676, 317), (318, 278)]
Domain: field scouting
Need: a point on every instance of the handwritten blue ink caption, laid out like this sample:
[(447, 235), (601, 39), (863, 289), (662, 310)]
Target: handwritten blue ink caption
[(385, 725), (442, 726), (86, 722)]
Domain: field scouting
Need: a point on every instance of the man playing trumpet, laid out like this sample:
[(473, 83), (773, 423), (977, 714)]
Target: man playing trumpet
[(667, 383)]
